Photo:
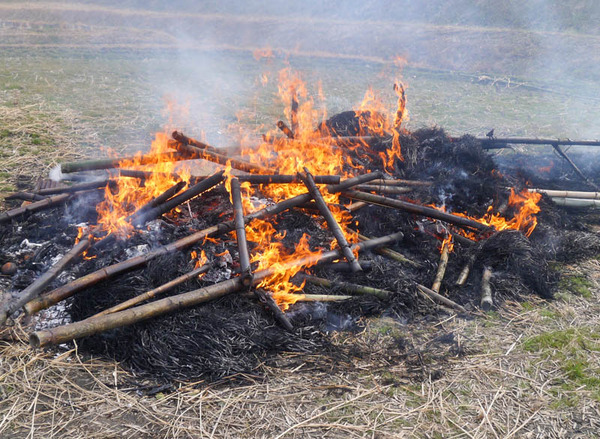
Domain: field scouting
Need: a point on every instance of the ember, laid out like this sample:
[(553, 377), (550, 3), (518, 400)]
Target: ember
[(156, 239)]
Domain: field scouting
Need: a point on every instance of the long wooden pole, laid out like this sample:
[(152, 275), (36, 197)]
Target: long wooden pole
[(93, 278), (240, 232)]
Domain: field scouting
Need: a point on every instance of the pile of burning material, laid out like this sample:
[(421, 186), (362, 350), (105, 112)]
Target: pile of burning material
[(187, 276)]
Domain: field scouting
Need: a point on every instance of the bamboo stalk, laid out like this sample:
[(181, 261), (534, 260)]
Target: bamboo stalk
[(286, 130), (439, 298), (486, 290), (93, 278), (333, 225), (397, 182), (159, 307), (206, 154), (240, 231), (345, 286), (33, 290), (36, 206), (384, 189), (568, 194), (280, 179), (441, 271), (92, 165), (494, 142), (180, 137), (156, 291), (98, 184), (574, 166), (346, 267), (294, 112), (416, 209), (27, 196), (322, 298), (267, 300), (204, 185), (576, 202)]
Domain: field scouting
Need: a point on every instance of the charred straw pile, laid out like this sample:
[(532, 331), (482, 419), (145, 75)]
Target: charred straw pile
[(233, 333)]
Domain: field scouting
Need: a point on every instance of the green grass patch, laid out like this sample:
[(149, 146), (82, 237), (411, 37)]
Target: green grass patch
[(578, 285)]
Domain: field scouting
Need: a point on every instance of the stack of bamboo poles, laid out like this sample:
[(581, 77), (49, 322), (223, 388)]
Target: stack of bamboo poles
[(571, 198)]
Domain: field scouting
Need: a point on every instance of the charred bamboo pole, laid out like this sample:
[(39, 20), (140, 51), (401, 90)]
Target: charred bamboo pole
[(180, 137), (206, 154), (27, 196), (345, 286), (105, 273), (240, 231), (323, 298), (267, 300), (581, 175), (294, 112), (345, 267), (286, 130), (486, 290), (34, 290), (156, 291), (280, 179), (162, 198), (166, 305), (98, 184), (36, 206), (333, 225), (396, 182), (384, 189), (566, 194), (416, 209), (441, 271), (494, 143), (92, 165), (439, 298), (172, 203)]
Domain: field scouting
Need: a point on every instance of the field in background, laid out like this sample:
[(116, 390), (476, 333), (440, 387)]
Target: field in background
[(76, 79)]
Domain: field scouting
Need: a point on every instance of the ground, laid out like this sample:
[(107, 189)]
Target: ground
[(73, 85)]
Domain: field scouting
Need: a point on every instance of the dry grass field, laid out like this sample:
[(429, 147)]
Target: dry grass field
[(77, 78)]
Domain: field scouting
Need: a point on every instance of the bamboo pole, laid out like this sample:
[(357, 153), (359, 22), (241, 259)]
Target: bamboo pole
[(439, 298), (286, 130), (92, 165), (166, 305), (33, 290), (464, 274), (105, 273), (215, 157), (345, 286), (240, 231), (156, 291), (396, 182), (568, 194), (576, 202), (501, 142), (486, 290), (98, 184), (333, 225), (180, 137), (441, 271), (581, 175), (280, 179), (416, 209), (27, 196), (393, 190), (323, 298), (389, 253), (36, 206), (204, 185)]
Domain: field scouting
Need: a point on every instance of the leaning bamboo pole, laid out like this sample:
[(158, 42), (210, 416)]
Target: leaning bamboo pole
[(240, 232), (439, 298), (486, 290), (36, 206), (441, 271), (332, 224), (105, 273), (159, 307), (346, 286)]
